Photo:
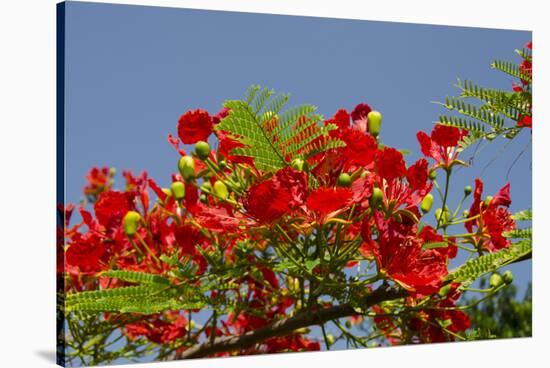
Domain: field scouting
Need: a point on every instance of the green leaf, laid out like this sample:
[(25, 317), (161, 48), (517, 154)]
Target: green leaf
[(273, 138), (311, 264), (137, 277), (525, 215), (491, 262)]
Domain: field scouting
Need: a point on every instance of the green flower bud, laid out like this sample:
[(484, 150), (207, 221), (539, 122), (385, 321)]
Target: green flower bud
[(433, 175), (344, 180), (222, 164), (206, 187), (186, 166), (178, 190), (427, 203), (131, 222), (377, 197), (495, 280), (348, 323), (112, 171), (488, 200), (203, 198), (441, 216), (508, 277), (297, 164), (202, 149), (468, 190), (374, 123), (330, 339), (465, 213), (220, 189)]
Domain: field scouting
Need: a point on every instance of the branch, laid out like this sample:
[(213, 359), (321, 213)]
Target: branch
[(287, 325)]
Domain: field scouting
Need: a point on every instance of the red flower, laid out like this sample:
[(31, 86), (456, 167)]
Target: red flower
[(99, 181), (112, 206), (429, 235), (157, 330), (494, 218), (85, 254), (291, 343), (269, 200), (359, 117), (361, 111), (441, 146), (525, 121), (188, 237), (341, 119), (328, 200), (417, 174), (194, 126), (390, 164), (217, 218), (360, 149), (399, 254), (526, 67)]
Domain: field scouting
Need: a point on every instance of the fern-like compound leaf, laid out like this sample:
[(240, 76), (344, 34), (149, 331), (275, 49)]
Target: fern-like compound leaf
[(136, 277), (475, 268), (273, 138)]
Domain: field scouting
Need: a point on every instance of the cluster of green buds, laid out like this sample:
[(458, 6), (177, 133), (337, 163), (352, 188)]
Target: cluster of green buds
[(497, 280)]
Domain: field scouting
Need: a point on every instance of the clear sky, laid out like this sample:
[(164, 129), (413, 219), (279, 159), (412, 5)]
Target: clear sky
[(131, 71)]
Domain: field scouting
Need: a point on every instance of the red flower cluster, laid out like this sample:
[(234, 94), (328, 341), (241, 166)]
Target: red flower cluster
[(323, 212)]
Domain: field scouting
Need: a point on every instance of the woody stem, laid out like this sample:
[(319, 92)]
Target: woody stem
[(287, 325)]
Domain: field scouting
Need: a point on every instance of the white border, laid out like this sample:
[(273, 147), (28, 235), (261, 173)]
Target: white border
[(27, 181)]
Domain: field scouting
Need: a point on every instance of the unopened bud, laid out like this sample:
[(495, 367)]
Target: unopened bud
[(427, 203), (178, 190), (374, 122), (206, 187), (377, 197), (202, 149), (344, 180), (220, 189), (186, 166), (131, 222), (508, 277), (495, 280)]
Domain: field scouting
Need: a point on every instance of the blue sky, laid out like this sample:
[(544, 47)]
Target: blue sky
[(131, 71)]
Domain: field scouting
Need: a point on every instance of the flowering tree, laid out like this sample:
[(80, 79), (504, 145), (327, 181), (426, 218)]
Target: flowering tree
[(292, 222)]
